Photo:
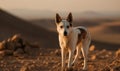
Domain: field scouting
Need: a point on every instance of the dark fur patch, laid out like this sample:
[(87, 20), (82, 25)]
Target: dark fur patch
[(82, 35)]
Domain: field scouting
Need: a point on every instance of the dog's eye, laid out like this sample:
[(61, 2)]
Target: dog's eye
[(67, 26), (61, 26)]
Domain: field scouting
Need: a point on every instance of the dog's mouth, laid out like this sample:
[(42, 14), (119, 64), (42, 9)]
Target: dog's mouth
[(65, 34)]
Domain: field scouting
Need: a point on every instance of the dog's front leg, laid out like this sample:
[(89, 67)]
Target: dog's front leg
[(63, 58), (70, 58)]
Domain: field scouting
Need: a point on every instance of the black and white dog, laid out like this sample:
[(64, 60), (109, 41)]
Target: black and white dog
[(71, 39)]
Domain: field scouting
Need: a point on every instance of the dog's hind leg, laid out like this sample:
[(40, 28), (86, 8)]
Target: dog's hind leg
[(84, 50)]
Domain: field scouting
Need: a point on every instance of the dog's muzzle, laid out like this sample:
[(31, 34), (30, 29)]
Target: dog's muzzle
[(65, 33)]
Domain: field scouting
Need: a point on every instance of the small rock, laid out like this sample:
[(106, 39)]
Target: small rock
[(32, 66), (103, 51), (116, 68), (27, 49), (2, 53), (41, 54), (16, 37), (45, 62), (18, 52), (106, 69), (91, 67), (93, 57), (1, 46), (117, 53), (92, 48), (24, 68), (52, 53), (8, 52), (57, 52)]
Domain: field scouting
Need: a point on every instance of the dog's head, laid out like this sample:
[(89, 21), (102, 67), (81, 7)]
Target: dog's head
[(64, 27)]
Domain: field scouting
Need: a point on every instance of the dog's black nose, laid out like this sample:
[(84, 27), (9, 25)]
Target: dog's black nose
[(65, 33)]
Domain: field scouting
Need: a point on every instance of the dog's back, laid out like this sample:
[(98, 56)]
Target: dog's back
[(83, 33)]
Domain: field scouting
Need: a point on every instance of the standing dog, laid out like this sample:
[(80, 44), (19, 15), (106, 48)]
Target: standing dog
[(71, 39)]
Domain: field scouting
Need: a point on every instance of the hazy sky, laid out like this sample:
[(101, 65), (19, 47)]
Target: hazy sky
[(63, 5)]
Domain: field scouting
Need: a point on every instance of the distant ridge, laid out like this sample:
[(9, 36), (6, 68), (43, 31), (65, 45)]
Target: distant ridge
[(30, 14), (10, 25)]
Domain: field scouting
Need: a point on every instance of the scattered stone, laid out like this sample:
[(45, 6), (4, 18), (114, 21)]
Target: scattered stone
[(52, 53), (8, 52), (117, 53), (2, 53), (45, 62), (57, 52), (2, 45), (15, 45), (91, 67), (107, 68), (116, 68), (27, 49), (51, 61), (93, 57), (92, 48), (24, 68), (18, 52)]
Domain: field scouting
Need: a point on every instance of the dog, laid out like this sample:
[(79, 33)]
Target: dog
[(71, 39)]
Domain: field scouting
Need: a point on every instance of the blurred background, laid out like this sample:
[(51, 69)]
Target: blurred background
[(34, 20)]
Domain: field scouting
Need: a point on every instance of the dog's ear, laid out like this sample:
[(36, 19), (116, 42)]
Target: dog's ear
[(69, 18), (58, 18)]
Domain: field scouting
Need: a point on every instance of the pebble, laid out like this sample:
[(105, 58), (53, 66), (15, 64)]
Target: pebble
[(93, 57), (117, 53), (92, 48)]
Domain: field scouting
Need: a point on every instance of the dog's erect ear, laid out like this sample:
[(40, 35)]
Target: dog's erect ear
[(69, 18), (58, 18)]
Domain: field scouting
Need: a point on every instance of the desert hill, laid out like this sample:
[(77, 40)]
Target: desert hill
[(10, 25), (107, 32)]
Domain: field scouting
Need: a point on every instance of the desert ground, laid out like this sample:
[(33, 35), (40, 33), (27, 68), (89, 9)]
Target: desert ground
[(37, 48)]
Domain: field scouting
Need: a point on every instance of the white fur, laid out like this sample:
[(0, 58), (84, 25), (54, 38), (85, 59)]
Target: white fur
[(69, 44)]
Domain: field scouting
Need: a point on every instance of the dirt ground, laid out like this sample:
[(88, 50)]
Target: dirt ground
[(49, 59)]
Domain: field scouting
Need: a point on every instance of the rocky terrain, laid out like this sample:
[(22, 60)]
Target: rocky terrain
[(19, 55)]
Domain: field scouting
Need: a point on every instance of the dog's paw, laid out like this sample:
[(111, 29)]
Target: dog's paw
[(84, 69), (69, 69), (62, 69), (72, 64)]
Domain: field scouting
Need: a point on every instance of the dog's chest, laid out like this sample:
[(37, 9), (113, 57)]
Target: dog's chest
[(70, 41)]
